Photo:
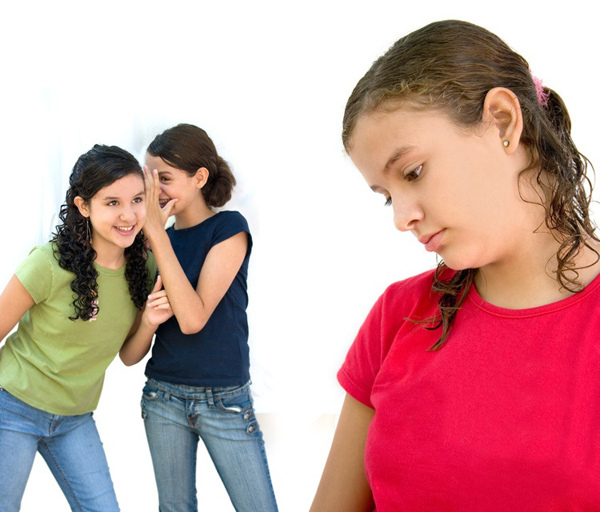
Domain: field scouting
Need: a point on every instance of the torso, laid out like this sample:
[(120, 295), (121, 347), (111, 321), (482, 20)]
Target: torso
[(504, 417)]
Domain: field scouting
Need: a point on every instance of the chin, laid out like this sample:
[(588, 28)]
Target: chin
[(458, 264)]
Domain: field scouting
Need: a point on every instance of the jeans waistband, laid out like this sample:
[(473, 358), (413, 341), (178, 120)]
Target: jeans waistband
[(197, 393)]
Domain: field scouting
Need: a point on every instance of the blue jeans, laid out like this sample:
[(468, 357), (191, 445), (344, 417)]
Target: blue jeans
[(71, 447), (176, 417)]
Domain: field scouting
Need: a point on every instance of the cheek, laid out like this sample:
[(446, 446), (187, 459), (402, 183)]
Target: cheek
[(140, 212)]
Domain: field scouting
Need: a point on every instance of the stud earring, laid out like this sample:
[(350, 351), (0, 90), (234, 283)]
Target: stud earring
[(506, 143)]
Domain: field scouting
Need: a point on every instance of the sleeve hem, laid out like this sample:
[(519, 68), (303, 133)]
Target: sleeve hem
[(353, 389)]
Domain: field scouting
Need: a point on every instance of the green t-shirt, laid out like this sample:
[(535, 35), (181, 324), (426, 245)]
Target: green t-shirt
[(56, 364)]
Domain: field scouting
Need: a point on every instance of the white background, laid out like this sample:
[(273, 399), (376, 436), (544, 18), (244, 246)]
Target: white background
[(268, 81)]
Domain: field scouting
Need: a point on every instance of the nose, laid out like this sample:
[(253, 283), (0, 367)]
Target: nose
[(407, 214), (129, 213)]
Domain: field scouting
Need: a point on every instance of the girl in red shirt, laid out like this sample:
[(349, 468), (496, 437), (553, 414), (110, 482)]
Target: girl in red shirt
[(474, 386)]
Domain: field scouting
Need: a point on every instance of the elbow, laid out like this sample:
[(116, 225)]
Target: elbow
[(127, 360), (193, 327)]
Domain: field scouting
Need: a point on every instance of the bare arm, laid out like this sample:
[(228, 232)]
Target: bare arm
[(14, 302), (192, 307), (156, 311), (344, 484)]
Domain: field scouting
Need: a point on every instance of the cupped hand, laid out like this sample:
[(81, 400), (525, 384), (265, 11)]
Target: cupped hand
[(156, 217)]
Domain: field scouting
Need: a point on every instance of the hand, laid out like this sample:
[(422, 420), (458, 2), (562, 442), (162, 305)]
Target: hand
[(158, 309), (156, 217)]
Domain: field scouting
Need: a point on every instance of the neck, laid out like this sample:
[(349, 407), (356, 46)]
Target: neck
[(112, 259), (531, 280), (193, 215)]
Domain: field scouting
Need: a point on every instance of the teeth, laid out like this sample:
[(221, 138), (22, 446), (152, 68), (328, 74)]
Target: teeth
[(125, 229)]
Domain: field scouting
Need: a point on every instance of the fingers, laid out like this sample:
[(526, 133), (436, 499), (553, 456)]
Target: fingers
[(151, 182), (159, 301), (157, 286), (168, 207)]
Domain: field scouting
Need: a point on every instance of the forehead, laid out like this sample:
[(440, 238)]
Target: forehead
[(131, 184), (156, 162), (380, 135)]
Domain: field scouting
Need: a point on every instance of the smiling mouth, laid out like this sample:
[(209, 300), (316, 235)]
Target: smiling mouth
[(163, 202), (124, 229)]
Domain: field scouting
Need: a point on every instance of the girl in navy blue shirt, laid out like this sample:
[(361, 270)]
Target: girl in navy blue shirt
[(198, 376)]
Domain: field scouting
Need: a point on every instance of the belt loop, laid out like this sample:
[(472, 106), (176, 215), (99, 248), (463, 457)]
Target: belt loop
[(209, 398)]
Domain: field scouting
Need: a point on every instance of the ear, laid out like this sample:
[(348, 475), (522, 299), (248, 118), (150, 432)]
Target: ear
[(82, 206), (502, 111), (201, 177)]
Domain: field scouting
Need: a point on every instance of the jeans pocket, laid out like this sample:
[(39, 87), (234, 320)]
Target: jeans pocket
[(241, 404), (150, 392), (236, 403)]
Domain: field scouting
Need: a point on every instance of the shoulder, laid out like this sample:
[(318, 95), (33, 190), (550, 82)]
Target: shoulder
[(410, 295), (38, 270), (229, 223), (40, 256), (232, 218), (397, 309), (390, 320)]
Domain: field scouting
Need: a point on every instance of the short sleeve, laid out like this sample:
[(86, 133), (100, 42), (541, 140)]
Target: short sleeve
[(35, 273), (230, 225), (364, 358), (152, 270)]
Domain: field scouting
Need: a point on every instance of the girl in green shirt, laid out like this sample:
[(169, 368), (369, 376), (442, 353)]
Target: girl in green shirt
[(76, 299)]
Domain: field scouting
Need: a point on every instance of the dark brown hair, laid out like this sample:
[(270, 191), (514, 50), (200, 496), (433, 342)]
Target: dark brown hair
[(188, 148), (100, 167), (450, 66)]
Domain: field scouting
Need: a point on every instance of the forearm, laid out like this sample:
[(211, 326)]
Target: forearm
[(137, 345), (187, 305)]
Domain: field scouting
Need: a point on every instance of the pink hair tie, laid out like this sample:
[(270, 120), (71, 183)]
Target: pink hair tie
[(542, 95)]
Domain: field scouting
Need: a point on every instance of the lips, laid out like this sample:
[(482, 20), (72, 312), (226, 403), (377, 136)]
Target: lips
[(432, 241), (125, 230)]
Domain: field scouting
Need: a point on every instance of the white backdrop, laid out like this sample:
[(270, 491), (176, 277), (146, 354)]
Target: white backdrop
[(268, 81)]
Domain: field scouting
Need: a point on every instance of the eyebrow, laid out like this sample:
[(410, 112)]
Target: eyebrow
[(396, 155), (112, 198)]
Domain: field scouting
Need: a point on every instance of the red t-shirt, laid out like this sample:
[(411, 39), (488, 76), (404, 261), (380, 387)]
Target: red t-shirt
[(505, 417)]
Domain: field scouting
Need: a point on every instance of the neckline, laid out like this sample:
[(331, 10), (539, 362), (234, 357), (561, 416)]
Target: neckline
[(561, 304), (185, 230), (110, 271)]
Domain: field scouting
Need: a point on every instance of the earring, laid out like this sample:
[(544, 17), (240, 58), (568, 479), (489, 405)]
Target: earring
[(88, 230), (506, 143)]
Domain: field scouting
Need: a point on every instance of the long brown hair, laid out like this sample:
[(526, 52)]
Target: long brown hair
[(450, 66), (188, 148)]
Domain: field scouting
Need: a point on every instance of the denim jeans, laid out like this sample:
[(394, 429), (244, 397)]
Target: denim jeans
[(176, 417), (71, 447)]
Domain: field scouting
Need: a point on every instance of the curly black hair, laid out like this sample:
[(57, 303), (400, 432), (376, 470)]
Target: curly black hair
[(98, 168)]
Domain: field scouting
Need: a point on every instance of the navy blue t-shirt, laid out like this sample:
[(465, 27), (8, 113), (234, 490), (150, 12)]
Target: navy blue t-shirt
[(218, 355)]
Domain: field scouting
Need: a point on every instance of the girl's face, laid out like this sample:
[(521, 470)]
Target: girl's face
[(455, 189), (117, 213), (176, 184)]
